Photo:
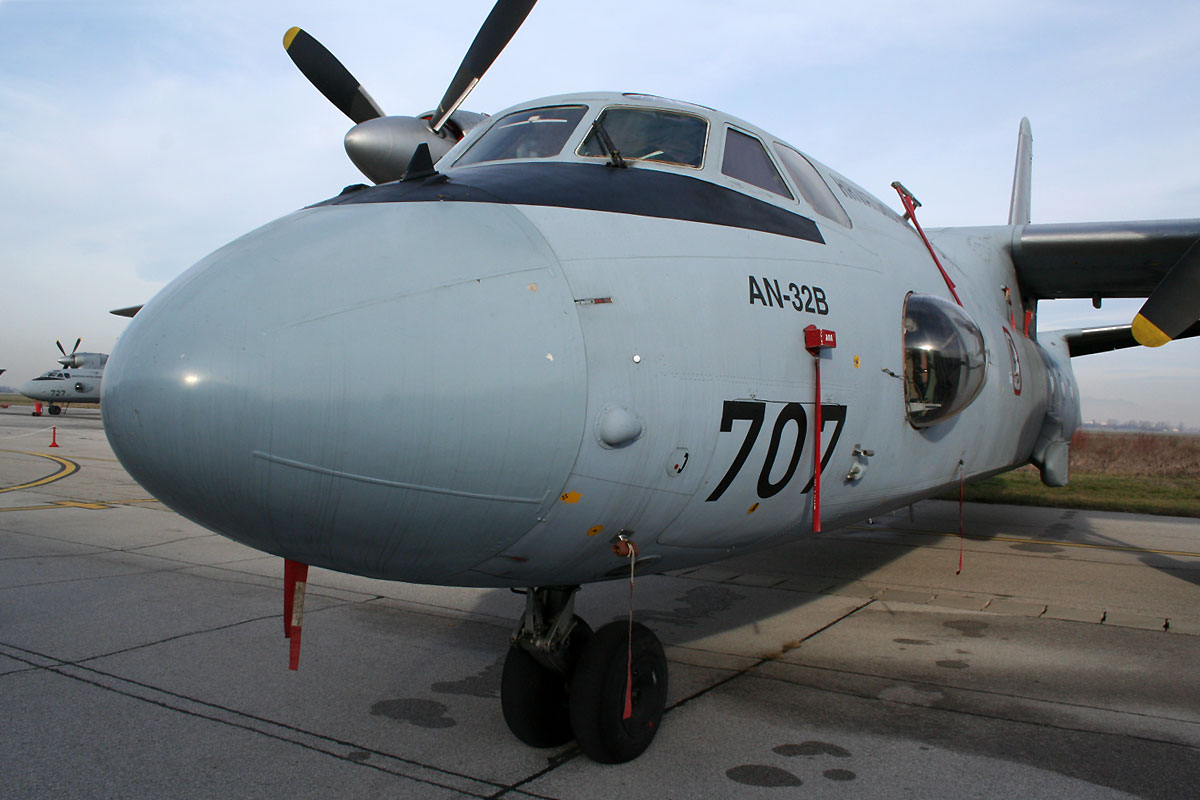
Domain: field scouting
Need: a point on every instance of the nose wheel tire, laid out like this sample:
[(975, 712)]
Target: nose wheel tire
[(534, 697), (55, 411), (598, 689)]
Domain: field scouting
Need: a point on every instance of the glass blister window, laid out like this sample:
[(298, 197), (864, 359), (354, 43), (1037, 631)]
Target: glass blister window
[(944, 360), (811, 185), (537, 133), (646, 134), (747, 160)]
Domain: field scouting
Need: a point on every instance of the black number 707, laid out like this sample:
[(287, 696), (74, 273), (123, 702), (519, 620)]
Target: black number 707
[(754, 411)]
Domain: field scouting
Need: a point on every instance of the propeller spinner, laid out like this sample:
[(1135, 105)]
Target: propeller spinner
[(382, 146)]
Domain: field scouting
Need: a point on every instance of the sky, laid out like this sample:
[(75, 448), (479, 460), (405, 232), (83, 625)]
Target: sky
[(136, 136)]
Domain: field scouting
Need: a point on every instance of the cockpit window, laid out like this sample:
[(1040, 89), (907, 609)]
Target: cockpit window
[(810, 183), (944, 360), (747, 160), (646, 134), (537, 133)]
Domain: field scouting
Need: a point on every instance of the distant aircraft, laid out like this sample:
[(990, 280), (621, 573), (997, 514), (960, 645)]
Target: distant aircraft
[(624, 335), (78, 382)]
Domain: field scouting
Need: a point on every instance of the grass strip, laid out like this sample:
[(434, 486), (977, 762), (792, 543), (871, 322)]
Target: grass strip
[(15, 399), (1171, 496)]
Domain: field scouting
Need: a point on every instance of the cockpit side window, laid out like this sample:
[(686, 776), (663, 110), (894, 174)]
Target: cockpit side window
[(746, 159), (536, 133), (648, 134), (811, 185)]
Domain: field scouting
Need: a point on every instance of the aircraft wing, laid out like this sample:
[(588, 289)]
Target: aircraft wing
[(1099, 259)]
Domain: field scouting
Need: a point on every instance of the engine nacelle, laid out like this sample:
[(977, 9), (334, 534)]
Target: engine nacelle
[(84, 361)]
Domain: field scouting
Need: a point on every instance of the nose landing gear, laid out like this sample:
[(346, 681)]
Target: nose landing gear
[(607, 689), (611, 670)]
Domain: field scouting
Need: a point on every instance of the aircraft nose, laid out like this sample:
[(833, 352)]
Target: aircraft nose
[(394, 390)]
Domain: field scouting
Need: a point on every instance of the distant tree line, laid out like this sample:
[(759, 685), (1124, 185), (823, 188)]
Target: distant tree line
[(1139, 425)]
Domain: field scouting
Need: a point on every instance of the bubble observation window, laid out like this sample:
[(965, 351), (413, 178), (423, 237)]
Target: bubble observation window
[(944, 360)]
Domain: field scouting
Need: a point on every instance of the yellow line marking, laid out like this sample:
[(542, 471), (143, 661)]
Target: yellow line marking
[(1018, 540), (65, 468), (60, 504), (95, 505)]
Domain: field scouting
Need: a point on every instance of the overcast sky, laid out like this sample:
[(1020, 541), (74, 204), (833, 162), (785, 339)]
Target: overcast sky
[(136, 136)]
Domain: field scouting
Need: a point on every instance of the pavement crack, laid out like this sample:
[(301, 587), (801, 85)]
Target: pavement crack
[(162, 544), (175, 638), (766, 659), (349, 752)]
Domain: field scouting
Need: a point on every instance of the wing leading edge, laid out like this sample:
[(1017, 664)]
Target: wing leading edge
[(1099, 259)]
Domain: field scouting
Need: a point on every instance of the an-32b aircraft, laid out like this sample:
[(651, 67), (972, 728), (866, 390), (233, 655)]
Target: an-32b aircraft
[(629, 334), (78, 381)]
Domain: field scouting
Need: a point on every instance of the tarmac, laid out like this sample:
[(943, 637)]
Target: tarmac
[(143, 656)]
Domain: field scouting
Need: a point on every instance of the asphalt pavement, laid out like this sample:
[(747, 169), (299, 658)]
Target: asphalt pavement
[(143, 656)]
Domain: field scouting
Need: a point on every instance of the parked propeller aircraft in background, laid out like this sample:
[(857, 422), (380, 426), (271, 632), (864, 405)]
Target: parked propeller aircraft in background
[(77, 382), (630, 335)]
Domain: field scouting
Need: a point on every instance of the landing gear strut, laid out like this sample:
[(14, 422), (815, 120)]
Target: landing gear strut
[(561, 681)]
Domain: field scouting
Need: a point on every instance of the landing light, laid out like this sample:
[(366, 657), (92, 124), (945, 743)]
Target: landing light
[(191, 379)]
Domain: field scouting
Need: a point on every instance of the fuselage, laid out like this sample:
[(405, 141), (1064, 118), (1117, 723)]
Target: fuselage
[(576, 350), (65, 386)]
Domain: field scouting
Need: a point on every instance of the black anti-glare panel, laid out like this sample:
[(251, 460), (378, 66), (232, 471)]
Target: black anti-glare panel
[(592, 187)]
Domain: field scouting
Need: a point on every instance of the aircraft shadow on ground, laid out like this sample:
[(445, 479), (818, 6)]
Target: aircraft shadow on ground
[(742, 592)]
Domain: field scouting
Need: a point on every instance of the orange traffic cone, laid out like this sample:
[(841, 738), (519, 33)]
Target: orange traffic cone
[(37, 409), (53, 436)]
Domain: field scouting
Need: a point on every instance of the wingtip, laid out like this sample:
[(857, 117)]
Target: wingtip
[(1147, 333), (290, 36)]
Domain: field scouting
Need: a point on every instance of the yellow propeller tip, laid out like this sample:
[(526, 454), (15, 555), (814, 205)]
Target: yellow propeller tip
[(1147, 333), (289, 36)]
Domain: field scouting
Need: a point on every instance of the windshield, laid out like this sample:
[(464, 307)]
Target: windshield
[(537, 133), (650, 135)]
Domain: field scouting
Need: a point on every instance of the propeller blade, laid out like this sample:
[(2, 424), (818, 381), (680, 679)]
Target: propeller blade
[(331, 78), (499, 27), (60, 347), (76, 347), (1174, 304)]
